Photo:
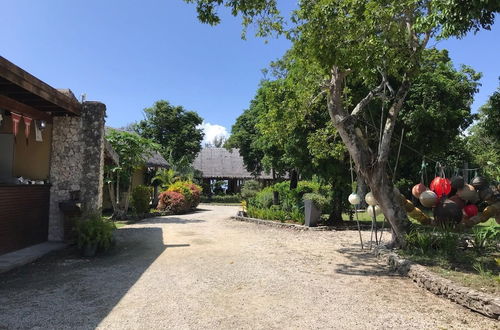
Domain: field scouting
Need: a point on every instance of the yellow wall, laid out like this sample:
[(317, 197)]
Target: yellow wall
[(31, 161), (138, 177)]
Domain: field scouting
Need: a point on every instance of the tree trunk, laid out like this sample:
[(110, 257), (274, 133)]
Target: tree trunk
[(362, 190), (276, 198), (127, 196), (371, 165), (294, 179)]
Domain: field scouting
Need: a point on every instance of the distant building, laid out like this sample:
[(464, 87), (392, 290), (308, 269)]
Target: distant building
[(222, 164)]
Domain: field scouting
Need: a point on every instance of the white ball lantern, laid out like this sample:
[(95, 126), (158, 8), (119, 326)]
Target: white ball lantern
[(370, 200), (354, 199), (373, 211)]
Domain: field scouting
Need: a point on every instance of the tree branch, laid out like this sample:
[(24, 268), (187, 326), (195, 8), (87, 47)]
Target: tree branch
[(390, 123), (364, 102)]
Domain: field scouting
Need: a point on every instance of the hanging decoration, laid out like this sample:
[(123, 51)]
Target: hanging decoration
[(16, 119), (373, 210), (354, 199), (370, 199), (468, 193), (457, 182), (27, 126), (471, 210), (441, 186), (428, 198), (418, 189)]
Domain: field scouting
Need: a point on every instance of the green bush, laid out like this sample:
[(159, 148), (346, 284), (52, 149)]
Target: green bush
[(263, 199), (484, 237), (250, 189), (318, 200), (141, 197), (221, 199), (438, 241), (275, 213), (94, 230)]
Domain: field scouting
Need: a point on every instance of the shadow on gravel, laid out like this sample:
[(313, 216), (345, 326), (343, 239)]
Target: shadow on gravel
[(362, 262), (63, 290)]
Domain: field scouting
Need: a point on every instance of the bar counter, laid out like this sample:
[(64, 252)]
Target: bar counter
[(24, 215)]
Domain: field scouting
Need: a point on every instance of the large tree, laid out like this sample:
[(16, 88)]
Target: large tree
[(175, 129), (484, 139), (378, 44)]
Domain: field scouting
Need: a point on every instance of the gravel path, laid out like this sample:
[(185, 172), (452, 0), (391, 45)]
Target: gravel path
[(203, 270)]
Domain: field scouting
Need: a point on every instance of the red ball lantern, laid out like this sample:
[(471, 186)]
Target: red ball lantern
[(471, 210), (418, 189), (441, 186)]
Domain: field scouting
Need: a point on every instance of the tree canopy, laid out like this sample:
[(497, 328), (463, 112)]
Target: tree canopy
[(377, 46), (175, 129)]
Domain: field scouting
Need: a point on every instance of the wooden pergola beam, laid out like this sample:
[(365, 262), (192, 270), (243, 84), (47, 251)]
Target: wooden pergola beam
[(12, 105), (30, 83)]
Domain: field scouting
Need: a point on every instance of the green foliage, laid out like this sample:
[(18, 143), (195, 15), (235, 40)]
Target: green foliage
[(229, 199), (484, 237), (433, 242), (484, 140), (318, 200), (276, 213), (141, 197), (174, 128), (94, 230), (133, 151), (165, 177), (250, 189)]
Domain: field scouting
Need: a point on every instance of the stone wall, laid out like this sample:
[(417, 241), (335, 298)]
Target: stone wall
[(77, 163)]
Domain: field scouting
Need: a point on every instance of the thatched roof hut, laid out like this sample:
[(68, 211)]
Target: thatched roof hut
[(223, 164)]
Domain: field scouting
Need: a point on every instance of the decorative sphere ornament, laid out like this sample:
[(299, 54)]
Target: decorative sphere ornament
[(457, 200), (485, 194), (373, 211), (457, 182), (441, 186), (370, 200), (418, 189), (428, 198), (479, 182), (354, 199), (468, 193), (448, 212), (471, 210)]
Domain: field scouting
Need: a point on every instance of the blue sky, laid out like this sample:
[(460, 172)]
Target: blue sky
[(129, 54)]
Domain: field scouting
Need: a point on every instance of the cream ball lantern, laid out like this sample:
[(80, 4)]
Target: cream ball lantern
[(373, 211), (428, 198), (354, 199), (370, 200)]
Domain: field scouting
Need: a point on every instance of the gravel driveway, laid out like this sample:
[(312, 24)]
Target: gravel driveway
[(203, 270)]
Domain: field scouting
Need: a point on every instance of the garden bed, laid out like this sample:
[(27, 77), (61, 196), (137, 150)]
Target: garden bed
[(485, 303)]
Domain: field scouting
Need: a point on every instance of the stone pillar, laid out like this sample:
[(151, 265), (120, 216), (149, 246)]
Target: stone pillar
[(91, 187), (77, 163)]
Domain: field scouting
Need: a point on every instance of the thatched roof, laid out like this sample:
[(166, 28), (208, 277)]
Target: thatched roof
[(220, 163), (156, 160)]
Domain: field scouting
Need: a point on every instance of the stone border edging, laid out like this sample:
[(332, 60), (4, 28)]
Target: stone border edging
[(277, 224), (486, 304)]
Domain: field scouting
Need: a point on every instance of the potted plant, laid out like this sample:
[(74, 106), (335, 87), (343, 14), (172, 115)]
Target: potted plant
[(93, 233), (313, 204)]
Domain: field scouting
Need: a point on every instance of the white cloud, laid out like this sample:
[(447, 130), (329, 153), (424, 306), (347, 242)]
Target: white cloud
[(212, 131)]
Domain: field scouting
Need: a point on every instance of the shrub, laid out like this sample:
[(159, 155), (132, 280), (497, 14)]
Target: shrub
[(263, 199), (250, 189), (196, 194), (318, 200), (141, 197), (172, 201), (222, 199), (94, 230)]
